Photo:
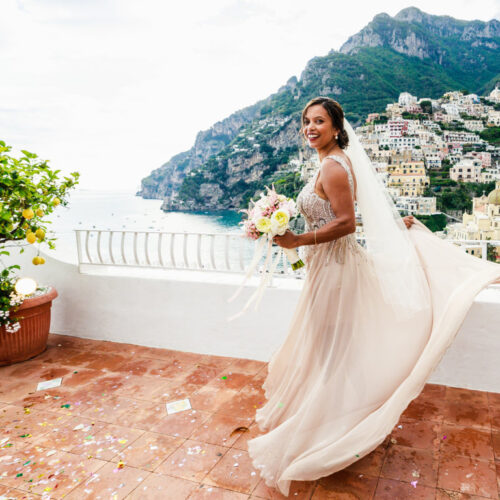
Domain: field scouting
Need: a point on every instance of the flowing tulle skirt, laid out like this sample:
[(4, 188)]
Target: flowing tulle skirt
[(348, 369)]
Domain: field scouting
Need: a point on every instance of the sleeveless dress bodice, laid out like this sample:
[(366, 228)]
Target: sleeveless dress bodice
[(317, 212)]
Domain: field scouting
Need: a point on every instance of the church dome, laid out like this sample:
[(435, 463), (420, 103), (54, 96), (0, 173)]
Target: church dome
[(494, 197)]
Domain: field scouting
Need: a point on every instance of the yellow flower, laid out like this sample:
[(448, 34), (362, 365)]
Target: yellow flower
[(263, 225)]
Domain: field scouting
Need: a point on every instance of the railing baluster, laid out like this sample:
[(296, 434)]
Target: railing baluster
[(160, 256), (79, 245), (110, 247), (226, 252), (184, 251), (146, 250), (172, 249), (212, 256), (99, 246), (198, 250), (135, 248), (122, 245), (87, 246)]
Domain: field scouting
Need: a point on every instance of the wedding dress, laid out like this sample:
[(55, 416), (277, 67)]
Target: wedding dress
[(348, 367)]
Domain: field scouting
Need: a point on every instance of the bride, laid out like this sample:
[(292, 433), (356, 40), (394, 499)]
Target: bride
[(372, 322)]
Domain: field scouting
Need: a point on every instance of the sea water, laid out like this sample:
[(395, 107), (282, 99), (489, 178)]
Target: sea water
[(124, 211)]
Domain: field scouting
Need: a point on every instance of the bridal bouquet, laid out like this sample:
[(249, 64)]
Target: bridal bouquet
[(269, 216)]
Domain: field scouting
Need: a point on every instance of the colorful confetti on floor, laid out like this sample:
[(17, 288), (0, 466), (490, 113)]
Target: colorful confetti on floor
[(104, 432)]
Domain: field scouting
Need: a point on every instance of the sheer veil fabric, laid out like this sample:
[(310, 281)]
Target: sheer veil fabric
[(356, 354)]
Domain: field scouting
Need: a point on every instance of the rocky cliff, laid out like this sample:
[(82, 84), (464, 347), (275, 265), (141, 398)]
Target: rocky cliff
[(415, 33), (165, 181)]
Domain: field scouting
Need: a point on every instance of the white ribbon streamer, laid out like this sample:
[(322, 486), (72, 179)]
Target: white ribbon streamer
[(266, 275), (251, 268)]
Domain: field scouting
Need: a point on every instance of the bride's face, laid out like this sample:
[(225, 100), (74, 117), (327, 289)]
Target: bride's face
[(318, 127)]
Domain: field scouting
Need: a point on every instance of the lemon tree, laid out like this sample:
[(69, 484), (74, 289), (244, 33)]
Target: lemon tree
[(30, 191)]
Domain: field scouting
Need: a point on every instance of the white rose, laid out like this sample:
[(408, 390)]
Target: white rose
[(279, 222), (276, 228)]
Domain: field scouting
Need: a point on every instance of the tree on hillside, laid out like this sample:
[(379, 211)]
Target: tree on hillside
[(426, 107)]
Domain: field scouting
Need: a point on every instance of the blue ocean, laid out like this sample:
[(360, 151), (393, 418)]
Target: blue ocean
[(121, 210)]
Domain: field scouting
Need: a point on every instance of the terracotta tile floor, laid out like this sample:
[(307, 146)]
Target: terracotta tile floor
[(105, 433)]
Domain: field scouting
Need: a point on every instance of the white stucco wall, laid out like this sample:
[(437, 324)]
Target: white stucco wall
[(187, 311)]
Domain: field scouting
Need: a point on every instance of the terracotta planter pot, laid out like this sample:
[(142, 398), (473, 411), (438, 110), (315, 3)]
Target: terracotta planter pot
[(31, 338)]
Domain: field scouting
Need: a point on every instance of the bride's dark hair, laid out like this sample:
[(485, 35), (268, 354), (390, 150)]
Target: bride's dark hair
[(336, 113)]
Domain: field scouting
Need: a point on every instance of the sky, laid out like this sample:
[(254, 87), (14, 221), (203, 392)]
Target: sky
[(114, 88)]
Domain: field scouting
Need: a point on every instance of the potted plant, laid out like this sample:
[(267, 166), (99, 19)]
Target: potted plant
[(29, 191)]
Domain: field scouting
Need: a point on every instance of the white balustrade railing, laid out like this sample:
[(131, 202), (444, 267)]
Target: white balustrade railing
[(226, 252)]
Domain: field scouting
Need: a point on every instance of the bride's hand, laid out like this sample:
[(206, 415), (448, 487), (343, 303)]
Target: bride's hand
[(287, 240), (408, 220)]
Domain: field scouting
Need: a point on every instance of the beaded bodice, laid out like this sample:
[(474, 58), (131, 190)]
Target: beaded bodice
[(318, 211)]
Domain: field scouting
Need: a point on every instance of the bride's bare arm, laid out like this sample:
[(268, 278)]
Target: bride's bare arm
[(336, 187)]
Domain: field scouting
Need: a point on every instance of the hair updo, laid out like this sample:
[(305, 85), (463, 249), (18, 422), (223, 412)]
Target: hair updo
[(336, 113)]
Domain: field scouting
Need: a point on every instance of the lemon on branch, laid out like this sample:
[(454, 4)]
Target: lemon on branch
[(31, 237), (28, 213), (56, 201), (40, 233), (40, 212)]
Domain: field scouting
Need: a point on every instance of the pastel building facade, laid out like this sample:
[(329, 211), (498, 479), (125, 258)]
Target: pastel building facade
[(466, 170), (408, 178)]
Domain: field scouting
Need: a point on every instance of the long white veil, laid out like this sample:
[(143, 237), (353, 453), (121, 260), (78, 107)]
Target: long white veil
[(396, 263)]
